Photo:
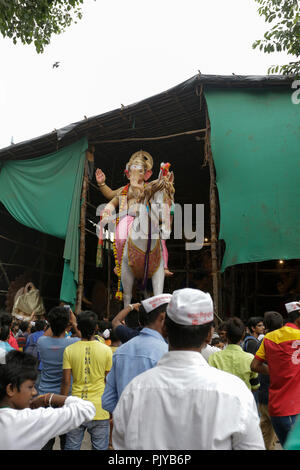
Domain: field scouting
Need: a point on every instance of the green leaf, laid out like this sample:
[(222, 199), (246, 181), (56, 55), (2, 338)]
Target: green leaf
[(37, 21)]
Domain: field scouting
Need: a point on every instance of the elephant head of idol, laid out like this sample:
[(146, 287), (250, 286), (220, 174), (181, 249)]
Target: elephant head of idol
[(138, 170)]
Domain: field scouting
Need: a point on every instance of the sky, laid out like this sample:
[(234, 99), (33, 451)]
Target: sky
[(122, 52)]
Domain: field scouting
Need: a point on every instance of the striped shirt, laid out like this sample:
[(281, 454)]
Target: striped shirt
[(281, 350)]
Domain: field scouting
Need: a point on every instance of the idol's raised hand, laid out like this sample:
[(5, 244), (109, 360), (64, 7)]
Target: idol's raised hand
[(100, 176)]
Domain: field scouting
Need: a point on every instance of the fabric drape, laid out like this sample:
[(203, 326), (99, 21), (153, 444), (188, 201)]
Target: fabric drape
[(44, 193), (255, 139)]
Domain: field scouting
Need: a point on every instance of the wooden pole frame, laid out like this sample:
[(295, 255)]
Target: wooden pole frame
[(89, 156), (213, 220), (146, 139)]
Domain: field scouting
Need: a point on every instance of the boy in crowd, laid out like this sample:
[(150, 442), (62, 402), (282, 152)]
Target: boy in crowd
[(51, 350), (22, 427), (256, 329), (233, 359), (88, 361), (7, 320)]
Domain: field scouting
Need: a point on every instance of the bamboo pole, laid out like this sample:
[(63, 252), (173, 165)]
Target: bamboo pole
[(142, 139), (4, 273), (16, 247), (30, 268), (84, 192), (26, 245), (213, 219)]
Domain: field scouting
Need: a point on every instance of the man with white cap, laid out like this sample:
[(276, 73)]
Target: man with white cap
[(279, 356), (139, 353), (183, 403)]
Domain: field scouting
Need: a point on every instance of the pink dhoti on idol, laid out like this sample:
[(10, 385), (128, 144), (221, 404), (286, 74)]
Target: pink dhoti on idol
[(121, 234), (136, 257)]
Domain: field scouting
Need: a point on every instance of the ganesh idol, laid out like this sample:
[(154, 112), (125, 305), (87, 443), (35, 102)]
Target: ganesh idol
[(125, 200)]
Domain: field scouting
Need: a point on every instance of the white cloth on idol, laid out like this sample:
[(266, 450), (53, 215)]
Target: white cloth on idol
[(185, 404), (29, 429)]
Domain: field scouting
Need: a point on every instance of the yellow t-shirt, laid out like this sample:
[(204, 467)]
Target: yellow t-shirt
[(100, 338), (89, 360)]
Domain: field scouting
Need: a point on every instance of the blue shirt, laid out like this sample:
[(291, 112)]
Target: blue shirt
[(51, 351), (124, 333), (6, 346), (131, 359), (33, 337), (31, 345)]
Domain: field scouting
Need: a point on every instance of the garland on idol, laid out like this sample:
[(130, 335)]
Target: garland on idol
[(119, 293)]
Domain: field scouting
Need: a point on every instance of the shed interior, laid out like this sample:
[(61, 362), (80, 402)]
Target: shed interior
[(172, 127)]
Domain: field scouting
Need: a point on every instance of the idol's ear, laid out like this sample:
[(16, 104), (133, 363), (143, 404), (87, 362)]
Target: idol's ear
[(148, 175), (126, 172)]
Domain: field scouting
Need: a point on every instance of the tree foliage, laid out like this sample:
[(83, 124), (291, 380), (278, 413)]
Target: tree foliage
[(35, 21), (284, 34)]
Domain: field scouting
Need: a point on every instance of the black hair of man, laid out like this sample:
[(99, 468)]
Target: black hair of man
[(113, 335), (15, 323), (103, 325), (253, 321), (24, 325), (40, 325), (147, 319), (185, 336), (222, 326), (216, 340), (132, 320), (59, 319), (235, 330), (6, 318), (292, 316), (273, 320), (18, 368), (4, 332), (86, 323)]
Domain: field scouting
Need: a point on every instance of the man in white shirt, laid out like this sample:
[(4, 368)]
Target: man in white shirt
[(183, 403)]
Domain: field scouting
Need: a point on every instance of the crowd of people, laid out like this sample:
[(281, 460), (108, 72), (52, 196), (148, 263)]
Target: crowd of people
[(160, 375)]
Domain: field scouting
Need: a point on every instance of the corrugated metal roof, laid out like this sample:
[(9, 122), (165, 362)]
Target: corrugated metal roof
[(174, 110)]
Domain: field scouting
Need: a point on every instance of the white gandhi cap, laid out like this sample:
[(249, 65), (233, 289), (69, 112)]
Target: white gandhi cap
[(291, 306), (153, 302), (191, 307)]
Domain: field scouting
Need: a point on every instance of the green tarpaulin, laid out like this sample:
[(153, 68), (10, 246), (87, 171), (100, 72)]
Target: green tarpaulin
[(44, 194), (256, 150)]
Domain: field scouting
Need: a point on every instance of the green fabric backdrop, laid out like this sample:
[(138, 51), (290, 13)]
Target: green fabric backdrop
[(44, 194), (255, 136)]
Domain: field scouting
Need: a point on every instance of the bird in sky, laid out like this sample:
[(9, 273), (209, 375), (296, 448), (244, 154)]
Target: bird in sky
[(55, 65)]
